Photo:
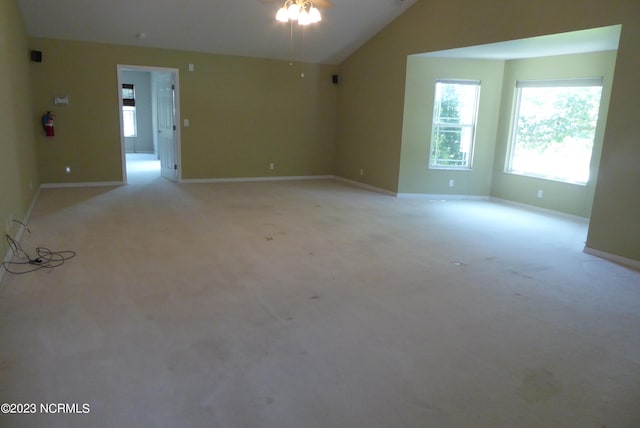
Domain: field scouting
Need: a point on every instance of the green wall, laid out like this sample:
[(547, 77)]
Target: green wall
[(569, 198), (18, 171), (369, 128), (244, 113), (371, 98), (422, 73)]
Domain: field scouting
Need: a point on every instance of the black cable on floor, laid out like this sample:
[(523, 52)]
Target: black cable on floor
[(45, 258)]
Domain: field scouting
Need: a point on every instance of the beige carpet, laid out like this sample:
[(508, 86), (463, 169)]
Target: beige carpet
[(315, 304)]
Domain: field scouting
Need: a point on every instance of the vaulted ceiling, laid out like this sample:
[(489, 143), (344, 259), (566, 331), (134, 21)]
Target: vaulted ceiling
[(232, 27)]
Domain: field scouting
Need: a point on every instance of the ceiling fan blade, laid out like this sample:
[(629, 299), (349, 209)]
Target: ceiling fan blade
[(322, 4)]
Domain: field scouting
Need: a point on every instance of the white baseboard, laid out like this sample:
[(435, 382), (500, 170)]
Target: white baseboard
[(634, 264), (255, 179), (443, 197), (541, 210), (87, 184), (18, 237), (365, 186)]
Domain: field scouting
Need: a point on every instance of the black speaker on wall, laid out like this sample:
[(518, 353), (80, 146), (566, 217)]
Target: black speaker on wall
[(335, 79), (36, 56)]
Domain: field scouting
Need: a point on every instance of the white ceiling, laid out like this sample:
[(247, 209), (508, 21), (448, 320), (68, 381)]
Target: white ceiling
[(591, 40), (233, 27)]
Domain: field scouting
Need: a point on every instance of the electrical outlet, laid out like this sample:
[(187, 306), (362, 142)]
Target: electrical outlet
[(272, 166), (540, 194), (451, 183), (361, 171)]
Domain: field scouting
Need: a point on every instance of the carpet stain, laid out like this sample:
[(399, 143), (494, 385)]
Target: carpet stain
[(269, 238), (424, 406), (520, 274), (315, 297), (213, 349), (538, 385)]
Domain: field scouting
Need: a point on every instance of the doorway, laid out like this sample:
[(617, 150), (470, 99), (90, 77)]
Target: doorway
[(149, 113)]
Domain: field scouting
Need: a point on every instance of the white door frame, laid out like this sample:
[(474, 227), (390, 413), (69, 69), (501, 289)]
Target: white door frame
[(176, 72)]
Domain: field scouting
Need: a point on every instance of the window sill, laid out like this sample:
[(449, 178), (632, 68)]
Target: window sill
[(542, 177), (450, 168)]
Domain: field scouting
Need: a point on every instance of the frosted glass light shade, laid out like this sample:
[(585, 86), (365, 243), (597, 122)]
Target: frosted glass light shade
[(314, 15), (282, 15), (293, 12), (303, 19)]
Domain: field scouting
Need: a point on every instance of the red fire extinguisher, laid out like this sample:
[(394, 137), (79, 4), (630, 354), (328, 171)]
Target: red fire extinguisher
[(47, 124)]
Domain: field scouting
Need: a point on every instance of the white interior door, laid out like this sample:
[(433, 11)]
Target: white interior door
[(165, 99)]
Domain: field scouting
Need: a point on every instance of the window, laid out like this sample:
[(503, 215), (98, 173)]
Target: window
[(454, 121), (554, 128), (129, 124)]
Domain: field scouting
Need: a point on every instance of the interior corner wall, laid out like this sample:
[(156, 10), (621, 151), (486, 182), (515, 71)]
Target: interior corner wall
[(565, 197), (371, 99), (614, 227), (369, 115), (244, 113), (422, 73), (18, 167)]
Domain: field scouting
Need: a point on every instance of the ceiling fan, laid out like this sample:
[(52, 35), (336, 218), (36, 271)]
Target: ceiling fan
[(321, 4)]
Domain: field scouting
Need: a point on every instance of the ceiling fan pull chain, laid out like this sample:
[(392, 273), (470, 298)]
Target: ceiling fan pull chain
[(291, 46)]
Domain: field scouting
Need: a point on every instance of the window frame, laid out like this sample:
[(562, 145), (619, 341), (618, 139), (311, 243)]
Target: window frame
[(129, 109), (547, 83), (439, 124)]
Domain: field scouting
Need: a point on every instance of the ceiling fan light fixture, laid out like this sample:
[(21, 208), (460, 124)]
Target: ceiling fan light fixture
[(302, 11)]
